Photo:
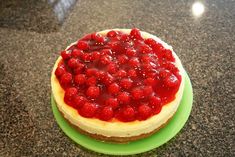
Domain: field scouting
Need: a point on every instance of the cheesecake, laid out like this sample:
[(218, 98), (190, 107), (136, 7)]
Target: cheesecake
[(118, 85)]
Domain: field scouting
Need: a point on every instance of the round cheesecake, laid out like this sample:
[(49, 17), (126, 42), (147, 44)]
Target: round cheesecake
[(118, 85)]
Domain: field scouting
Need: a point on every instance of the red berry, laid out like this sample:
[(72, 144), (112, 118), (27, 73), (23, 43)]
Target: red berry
[(111, 33), (95, 55), (79, 101), (128, 114), (106, 59), (80, 79), (70, 93), (130, 52), (65, 55), (122, 59), (112, 102), (116, 40), (125, 38), (112, 68), (157, 48), (83, 45), (88, 110), (73, 63), (134, 62), (157, 109), (66, 78), (144, 111), (151, 74), (150, 81), (86, 57), (77, 71), (93, 91), (79, 68), (91, 71), (154, 101), (91, 81), (150, 42), (76, 53), (135, 33), (106, 113), (137, 93), (100, 75), (113, 45), (106, 52), (168, 55), (107, 79), (98, 38), (146, 59), (148, 90), (164, 73), (171, 81), (171, 67), (124, 97), (132, 73), (60, 71), (145, 48), (121, 74), (113, 88), (126, 83), (147, 67)]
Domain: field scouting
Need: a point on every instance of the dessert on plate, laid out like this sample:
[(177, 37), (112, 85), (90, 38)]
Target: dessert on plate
[(118, 85)]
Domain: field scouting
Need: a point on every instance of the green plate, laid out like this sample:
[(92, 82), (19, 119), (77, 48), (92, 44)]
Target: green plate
[(143, 145)]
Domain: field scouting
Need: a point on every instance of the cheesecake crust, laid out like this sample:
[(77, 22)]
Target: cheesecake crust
[(114, 139)]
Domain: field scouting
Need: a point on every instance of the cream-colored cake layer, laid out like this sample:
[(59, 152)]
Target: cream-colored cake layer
[(114, 127)]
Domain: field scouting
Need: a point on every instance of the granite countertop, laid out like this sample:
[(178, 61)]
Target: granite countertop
[(204, 43)]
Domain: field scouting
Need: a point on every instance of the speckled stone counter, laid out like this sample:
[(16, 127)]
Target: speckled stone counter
[(205, 45)]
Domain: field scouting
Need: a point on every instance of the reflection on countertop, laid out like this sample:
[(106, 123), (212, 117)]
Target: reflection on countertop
[(34, 15), (198, 9), (32, 33)]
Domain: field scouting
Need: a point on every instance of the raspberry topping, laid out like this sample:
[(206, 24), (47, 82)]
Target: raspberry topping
[(88, 110), (70, 93), (79, 101), (113, 88), (65, 55), (118, 75), (93, 92), (59, 71), (137, 94), (80, 79), (124, 97), (73, 63), (106, 113), (128, 114), (66, 79), (126, 83), (144, 111), (83, 45), (112, 102)]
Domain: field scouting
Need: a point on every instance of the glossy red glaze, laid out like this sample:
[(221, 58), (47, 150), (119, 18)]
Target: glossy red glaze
[(118, 75)]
